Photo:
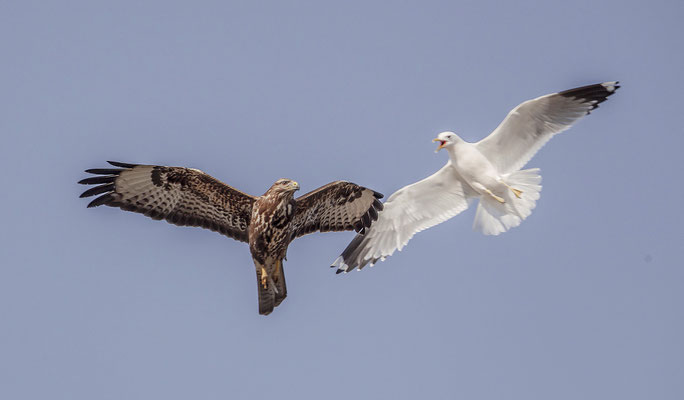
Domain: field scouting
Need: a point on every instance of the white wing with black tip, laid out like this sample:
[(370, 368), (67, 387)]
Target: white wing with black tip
[(408, 211), (531, 124)]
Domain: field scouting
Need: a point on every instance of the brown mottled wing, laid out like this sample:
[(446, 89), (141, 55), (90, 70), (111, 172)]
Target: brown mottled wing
[(337, 206), (181, 196)]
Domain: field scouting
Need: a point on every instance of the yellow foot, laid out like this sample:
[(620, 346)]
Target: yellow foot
[(515, 191), (497, 198), (264, 278)]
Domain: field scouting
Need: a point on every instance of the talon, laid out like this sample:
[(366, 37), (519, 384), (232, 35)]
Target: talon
[(264, 278)]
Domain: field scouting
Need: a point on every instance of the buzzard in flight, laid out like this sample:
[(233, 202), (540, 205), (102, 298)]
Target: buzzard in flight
[(189, 197)]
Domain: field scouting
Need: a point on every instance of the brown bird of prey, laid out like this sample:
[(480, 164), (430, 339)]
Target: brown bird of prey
[(190, 197)]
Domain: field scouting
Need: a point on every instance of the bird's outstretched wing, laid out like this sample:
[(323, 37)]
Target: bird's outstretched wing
[(181, 196), (408, 211), (337, 206), (531, 124)]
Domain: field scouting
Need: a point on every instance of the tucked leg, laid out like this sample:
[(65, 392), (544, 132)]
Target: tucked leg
[(516, 192), (264, 278), (497, 198)]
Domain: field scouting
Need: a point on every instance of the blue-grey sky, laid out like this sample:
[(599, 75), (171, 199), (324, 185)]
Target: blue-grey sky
[(582, 301)]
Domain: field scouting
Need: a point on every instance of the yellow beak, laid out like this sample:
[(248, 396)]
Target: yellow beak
[(442, 143)]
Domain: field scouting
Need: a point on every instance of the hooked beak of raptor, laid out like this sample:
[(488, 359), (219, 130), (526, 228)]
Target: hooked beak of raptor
[(442, 143)]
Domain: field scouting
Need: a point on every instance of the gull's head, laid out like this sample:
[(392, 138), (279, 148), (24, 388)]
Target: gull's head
[(445, 139)]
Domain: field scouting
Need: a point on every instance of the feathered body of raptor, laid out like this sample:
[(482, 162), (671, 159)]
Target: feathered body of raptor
[(190, 197)]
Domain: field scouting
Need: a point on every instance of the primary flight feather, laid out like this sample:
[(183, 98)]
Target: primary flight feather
[(190, 197), (488, 171)]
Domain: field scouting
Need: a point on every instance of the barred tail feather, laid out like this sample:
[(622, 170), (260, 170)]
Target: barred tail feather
[(274, 291), (267, 294), (280, 286), (493, 218)]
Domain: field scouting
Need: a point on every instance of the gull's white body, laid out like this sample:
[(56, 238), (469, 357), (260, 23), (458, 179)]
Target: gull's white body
[(488, 171), (474, 168), (500, 208)]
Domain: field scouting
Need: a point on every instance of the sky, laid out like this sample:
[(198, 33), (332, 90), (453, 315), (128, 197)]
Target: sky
[(582, 301)]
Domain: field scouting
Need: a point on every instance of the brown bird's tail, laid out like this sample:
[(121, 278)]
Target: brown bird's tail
[(271, 285)]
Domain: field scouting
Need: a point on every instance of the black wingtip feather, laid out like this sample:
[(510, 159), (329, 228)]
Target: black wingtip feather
[(97, 180), (98, 190), (598, 93), (366, 220), (373, 213), (100, 200), (104, 171), (122, 164)]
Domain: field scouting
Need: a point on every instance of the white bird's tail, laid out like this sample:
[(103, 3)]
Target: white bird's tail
[(493, 217)]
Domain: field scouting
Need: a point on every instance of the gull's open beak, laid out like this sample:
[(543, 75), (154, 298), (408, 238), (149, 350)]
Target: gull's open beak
[(442, 143)]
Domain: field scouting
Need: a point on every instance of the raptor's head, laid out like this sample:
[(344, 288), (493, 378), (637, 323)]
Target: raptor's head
[(284, 186)]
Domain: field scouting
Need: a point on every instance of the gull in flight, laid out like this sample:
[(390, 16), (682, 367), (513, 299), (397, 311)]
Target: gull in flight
[(488, 171)]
